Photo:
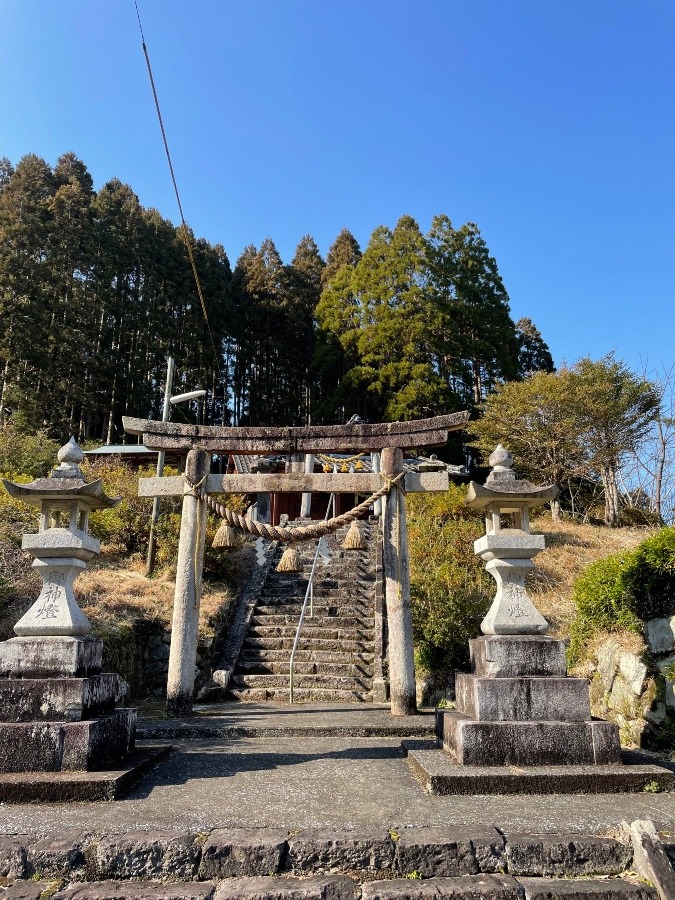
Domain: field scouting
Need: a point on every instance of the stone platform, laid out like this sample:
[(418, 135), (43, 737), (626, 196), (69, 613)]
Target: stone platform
[(440, 774), (67, 787)]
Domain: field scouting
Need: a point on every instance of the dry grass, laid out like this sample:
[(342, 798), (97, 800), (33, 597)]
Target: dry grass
[(113, 594), (570, 547)]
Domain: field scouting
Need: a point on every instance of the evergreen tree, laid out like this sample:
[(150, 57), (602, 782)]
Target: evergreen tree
[(534, 354)]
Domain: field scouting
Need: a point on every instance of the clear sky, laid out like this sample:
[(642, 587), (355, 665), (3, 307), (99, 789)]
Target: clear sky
[(550, 124)]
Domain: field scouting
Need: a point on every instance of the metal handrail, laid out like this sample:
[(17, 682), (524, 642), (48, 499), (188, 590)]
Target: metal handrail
[(309, 595)]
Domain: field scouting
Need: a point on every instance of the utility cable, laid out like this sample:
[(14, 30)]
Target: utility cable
[(184, 227)]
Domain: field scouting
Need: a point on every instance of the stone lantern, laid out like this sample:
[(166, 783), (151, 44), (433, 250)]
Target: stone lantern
[(508, 545), (62, 547), (518, 706), (57, 709)]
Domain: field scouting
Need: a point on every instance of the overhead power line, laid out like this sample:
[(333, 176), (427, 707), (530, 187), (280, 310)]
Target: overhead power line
[(184, 227)]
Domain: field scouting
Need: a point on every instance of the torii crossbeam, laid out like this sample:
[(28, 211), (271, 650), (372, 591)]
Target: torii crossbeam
[(200, 441)]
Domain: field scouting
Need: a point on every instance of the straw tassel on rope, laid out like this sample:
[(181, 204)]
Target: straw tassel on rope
[(225, 537), (354, 539), (290, 561)]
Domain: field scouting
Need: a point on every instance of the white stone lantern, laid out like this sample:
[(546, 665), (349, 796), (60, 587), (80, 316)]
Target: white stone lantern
[(63, 546), (508, 545)]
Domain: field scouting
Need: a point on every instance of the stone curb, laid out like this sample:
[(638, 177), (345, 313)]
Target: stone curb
[(428, 852), (337, 887)]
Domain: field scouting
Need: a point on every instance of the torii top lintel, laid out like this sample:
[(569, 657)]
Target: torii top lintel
[(312, 439)]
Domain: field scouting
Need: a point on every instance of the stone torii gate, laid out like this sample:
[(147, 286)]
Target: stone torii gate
[(196, 483)]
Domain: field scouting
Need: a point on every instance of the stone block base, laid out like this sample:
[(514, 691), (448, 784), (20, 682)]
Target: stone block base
[(475, 743), (58, 699), (521, 699), (514, 656), (61, 746), (50, 657), (440, 774)]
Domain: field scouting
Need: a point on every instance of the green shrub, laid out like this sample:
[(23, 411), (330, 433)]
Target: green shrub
[(650, 576), (29, 454), (450, 589), (603, 601)]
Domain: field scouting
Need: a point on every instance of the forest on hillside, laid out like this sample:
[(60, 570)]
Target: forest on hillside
[(96, 292)]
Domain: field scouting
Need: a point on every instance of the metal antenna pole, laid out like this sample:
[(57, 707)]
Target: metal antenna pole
[(152, 548)]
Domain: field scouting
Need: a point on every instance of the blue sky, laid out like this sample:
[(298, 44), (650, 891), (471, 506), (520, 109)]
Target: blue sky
[(549, 124)]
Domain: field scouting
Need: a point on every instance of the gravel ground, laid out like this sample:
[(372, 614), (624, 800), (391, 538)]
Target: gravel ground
[(312, 781)]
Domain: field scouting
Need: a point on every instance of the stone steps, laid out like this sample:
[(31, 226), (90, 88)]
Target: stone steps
[(258, 667), (312, 631), (286, 643), (300, 695), (335, 654), (309, 681), (315, 621), (460, 863), (258, 654)]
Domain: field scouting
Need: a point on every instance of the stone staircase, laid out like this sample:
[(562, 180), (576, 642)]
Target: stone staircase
[(336, 653)]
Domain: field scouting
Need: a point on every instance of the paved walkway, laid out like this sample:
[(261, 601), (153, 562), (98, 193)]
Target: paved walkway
[(296, 776)]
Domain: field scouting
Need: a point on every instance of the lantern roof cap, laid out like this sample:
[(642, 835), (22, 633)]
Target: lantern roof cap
[(502, 486), (65, 483)]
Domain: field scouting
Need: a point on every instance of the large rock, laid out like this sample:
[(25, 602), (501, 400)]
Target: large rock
[(622, 699), (660, 634), (439, 851), (316, 850), (58, 854), (235, 852), (608, 656), (570, 855), (13, 857), (634, 671), (147, 854)]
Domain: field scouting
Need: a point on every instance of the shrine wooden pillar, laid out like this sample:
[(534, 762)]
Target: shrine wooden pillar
[(185, 624), (397, 592)]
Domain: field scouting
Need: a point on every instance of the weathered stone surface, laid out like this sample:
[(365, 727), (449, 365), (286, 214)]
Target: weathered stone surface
[(58, 854), (316, 850), (27, 890), (469, 887), (54, 699), (57, 746), (234, 852), (660, 634), (570, 855), (438, 851), (614, 889), (522, 699), (622, 698), (608, 656), (512, 611), (150, 854), (110, 890), (317, 887), (650, 858), (666, 667), (50, 657), (13, 857), (513, 656), (634, 671), (527, 743), (55, 612)]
